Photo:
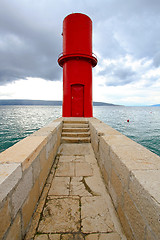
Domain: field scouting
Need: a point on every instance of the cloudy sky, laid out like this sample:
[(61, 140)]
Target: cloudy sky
[(126, 40)]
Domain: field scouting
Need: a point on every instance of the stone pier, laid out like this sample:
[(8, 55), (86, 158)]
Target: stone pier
[(78, 178), (77, 205)]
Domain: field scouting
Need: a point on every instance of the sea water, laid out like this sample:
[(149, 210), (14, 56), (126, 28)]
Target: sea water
[(141, 124)]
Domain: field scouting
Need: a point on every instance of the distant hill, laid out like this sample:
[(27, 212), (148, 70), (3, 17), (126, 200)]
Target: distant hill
[(43, 102), (103, 104), (29, 102)]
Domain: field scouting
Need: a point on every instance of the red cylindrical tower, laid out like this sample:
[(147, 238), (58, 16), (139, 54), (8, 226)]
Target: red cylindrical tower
[(77, 61)]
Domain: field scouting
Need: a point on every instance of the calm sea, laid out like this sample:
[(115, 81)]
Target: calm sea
[(17, 122)]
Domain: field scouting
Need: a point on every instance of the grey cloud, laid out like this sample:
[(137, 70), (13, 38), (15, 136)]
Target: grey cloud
[(30, 35), (118, 76), (124, 73), (156, 59), (29, 47), (127, 27)]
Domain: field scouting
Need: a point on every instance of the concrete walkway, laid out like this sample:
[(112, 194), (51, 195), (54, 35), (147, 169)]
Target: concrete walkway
[(75, 203)]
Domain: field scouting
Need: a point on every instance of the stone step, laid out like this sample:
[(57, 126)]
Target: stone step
[(75, 140), (75, 125), (75, 129), (75, 134), (75, 121)]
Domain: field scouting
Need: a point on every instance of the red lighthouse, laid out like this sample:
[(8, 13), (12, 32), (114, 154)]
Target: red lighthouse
[(77, 61)]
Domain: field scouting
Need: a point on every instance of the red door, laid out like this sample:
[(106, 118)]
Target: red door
[(77, 100)]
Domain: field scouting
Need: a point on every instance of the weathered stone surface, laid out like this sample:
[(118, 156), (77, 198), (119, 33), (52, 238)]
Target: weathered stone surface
[(42, 237), (75, 125), (75, 139), (44, 174), (143, 187), (133, 155), (103, 236), (120, 168), (80, 159), (75, 149), (22, 190), (133, 214), (104, 153), (60, 186), (76, 206), (150, 180), (15, 230), (78, 187), (66, 159), (50, 144), (47, 130), (117, 185), (95, 215), (105, 176), (67, 237), (94, 139), (83, 169), (125, 224), (77, 130), (10, 174), (96, 185), (101, 128), (91, 160), (75, 120), (42, 157), (72, 237), (54, 236), (36, 168), (44, 131), (149, 235), (50, 177), (24, 152), (65, 170), (5, 218), (113, 194), (29, 205), (61, 215), (35, 220)]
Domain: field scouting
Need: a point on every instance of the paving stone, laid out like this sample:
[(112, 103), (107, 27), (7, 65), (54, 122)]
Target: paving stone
[(67, 159), (72, 237), (83, 169), (41, 237), (78, 237), (80, 158), (103, 236), (78, 187), (77, 202), (75, 149), (95, 215), (91, 159), (60, 186), (65, 170), (54, 236), (96, 184), (60, 215), (67, 237)]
